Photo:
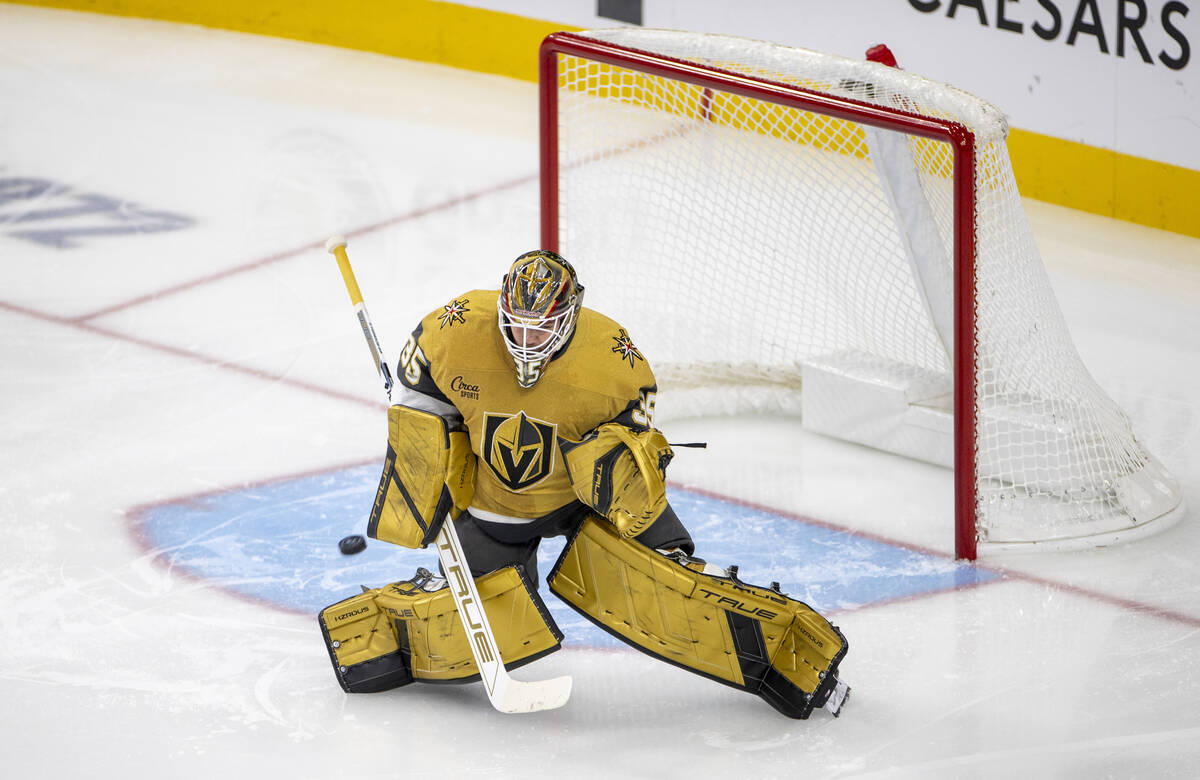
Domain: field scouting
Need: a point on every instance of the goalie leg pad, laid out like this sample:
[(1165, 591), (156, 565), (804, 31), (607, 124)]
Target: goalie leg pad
[(363, 646), (410, 630), (701, 618)]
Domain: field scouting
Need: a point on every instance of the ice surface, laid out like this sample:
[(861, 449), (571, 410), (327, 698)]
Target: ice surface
[(192, 349)]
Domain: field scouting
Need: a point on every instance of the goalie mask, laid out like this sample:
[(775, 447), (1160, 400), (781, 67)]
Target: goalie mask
[(539, 302)]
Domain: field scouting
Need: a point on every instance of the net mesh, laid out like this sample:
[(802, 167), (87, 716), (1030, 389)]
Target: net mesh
[(738, 239)]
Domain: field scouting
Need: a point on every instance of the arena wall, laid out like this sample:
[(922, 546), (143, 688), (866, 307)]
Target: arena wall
[(1103, 95)]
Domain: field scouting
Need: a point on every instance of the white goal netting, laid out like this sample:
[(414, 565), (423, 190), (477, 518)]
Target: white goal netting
[(771, 258)]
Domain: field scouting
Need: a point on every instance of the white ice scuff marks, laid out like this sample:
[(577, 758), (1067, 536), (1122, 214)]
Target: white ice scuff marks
[(142, 632)]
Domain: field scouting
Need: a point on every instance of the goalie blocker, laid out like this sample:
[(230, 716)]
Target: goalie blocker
[(429, 472)]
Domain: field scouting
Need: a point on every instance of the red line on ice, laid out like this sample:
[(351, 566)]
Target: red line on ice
[(296, 251), (189, 354)]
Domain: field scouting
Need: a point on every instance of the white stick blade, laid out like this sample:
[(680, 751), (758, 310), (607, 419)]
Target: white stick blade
[(515, 696)]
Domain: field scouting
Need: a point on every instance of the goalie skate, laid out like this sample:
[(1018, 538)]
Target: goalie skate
[(837, 697)]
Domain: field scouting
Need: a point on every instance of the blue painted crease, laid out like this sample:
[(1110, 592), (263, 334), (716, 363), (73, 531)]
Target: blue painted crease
[(278, 543)]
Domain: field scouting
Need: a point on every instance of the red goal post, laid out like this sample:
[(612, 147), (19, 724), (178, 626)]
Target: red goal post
[(656, 107)]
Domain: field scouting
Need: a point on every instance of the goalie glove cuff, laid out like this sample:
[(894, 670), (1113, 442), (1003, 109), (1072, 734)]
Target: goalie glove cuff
[(621, 474)]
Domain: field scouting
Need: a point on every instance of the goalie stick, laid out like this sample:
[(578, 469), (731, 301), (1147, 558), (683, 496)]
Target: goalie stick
[(505, 693)]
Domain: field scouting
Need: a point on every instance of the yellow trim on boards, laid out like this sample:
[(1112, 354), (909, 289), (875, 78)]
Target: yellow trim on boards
[(427, 30), (1107, 183), (1050, 169)]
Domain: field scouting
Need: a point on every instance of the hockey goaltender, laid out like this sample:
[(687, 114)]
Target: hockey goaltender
[(523, 415)]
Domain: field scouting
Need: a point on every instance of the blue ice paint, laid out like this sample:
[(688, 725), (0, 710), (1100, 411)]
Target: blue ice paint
[(278, 543)]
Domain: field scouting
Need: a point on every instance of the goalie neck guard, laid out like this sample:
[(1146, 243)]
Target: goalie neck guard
[(539, 303)]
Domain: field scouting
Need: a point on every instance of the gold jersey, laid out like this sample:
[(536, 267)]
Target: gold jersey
[(457, 356)]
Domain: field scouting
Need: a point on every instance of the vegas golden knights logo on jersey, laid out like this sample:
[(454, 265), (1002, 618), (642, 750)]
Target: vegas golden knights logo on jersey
[(518, 449)]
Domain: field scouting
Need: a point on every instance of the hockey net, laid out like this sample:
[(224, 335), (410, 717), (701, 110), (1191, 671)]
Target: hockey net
[(789, 231)]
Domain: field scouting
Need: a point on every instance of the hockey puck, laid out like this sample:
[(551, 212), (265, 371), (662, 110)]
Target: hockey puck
[(352, 544)]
